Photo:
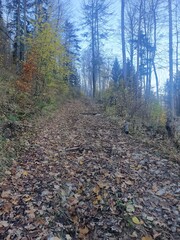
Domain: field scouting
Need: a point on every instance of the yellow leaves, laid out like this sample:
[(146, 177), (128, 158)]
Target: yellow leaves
[(136, 220), (25, 173), (103, 185), (99, 198), (147, 238), (27, 198), (96, 189), (50, 58)]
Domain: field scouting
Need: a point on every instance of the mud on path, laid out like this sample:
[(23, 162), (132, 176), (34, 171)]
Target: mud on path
[(83, 178)]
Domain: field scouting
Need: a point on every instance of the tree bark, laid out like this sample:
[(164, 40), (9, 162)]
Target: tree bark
[(171, 58), (25, 31), (18, 57), (93, 51), (123, 39)]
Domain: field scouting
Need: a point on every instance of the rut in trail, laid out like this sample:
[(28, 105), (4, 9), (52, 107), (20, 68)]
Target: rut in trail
[(83, 178)]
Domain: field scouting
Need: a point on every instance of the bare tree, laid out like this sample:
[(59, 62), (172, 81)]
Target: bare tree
[(123, 38), (171, 57), (18, 36)]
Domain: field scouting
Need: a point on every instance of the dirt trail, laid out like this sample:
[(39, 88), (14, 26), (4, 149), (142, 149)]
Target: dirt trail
[(83, 178)]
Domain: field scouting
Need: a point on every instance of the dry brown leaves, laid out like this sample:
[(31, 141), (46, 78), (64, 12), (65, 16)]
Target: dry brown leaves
[(82, 178)]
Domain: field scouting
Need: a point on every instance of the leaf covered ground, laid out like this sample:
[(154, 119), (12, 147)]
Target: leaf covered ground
[(82, 177)]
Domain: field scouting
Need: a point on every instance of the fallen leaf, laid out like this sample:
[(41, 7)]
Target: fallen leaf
[(27, 198), (134, 234), (150, 218), (83, 231), (25, 173), (161, 192), (95, 202), (6, 194), (99, 198), (56, 238), (31, 212), (130, 208), (73, 201), (103, 185), (75, 219), (4, 224), (68, 237), (128, 182), (7, 207), (96, 189), (7, 172), (136, 220), (156, 234), (154, 187), (147, 238)]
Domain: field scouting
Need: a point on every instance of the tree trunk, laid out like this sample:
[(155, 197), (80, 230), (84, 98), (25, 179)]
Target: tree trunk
[(155, 45), (157, 81), (177, 40), (123, 40), (171, 59), (93, 52), (139, 77), (18, 56), (25, 32)]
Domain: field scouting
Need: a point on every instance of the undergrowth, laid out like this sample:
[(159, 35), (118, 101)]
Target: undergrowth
[(21, 110)]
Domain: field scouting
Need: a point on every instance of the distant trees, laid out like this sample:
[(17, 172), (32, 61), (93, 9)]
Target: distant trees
[(116, 72), (4, 40), (96, 14), (72, 46), (141, 17)]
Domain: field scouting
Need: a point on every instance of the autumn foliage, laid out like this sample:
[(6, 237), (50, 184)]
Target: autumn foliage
[(29, 72), (45, 69)]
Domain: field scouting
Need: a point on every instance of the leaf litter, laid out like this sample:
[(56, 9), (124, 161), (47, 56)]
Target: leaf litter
[(83, 178)]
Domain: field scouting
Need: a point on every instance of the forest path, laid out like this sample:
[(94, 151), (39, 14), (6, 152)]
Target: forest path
[(83, 178)]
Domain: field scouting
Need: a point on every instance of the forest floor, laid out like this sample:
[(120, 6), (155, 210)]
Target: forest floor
[(82, 177)]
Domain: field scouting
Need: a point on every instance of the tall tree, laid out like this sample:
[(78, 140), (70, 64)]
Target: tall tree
[(177, 33), (4, 41), (123, 37), (71, 43), (18, 35), (25, 27), (171, 57)]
